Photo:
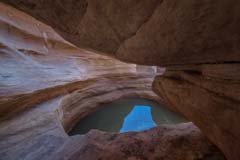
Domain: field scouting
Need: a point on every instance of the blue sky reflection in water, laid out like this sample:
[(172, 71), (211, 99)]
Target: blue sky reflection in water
[(139, 119), (124, 115)]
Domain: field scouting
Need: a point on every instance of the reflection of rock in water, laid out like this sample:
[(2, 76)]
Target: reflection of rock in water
[(139, 119)]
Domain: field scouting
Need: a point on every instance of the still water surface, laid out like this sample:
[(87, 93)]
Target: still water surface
[(135, 114)]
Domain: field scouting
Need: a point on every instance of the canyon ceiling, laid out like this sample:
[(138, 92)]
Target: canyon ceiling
[(197, 41)]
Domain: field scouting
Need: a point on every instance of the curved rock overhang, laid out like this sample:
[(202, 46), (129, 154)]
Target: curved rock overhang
[(198, 41), (154, 32)]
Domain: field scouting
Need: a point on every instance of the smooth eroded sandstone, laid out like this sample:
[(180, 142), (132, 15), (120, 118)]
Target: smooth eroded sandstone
[(198, 41), (154, 32)]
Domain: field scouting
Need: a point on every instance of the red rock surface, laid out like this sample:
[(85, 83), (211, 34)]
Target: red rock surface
[(180, 142), (155, 32), (198, 41)]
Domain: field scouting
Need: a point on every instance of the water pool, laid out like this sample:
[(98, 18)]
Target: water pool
[(124, 115)]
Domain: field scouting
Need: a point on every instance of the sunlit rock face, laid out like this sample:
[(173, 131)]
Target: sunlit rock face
[(198, 42), (37, 64)]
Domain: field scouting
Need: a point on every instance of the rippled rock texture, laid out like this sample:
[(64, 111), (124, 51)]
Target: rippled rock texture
[(48, 85), (156, 32), (197, 41)]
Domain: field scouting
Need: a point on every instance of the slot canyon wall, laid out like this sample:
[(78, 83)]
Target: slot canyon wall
[(47, 85), (197, 42)]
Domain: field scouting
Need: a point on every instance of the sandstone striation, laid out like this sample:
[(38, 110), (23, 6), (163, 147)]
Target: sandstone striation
[(38, 134), (48, 85), (197, 42), (207, 97), (154, 32)]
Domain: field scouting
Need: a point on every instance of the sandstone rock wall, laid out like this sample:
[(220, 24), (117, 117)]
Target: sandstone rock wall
[(47, 85), (198, 41), (154, 32), (212, 102)]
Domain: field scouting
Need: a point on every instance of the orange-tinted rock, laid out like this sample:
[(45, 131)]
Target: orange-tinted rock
[(211, 102), (151, 32), (181, 142), (178, 34)]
